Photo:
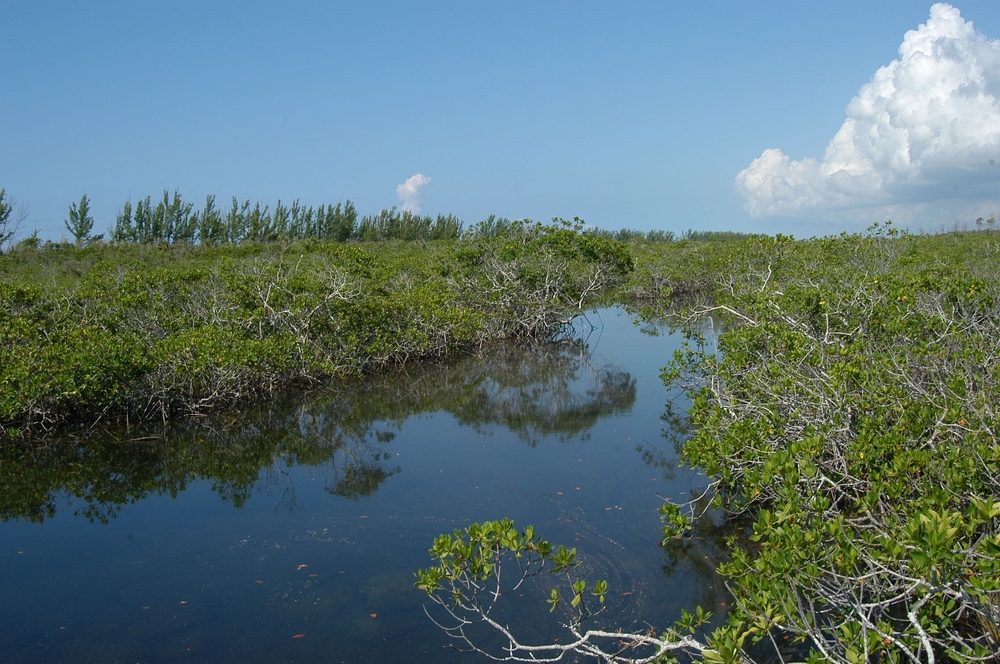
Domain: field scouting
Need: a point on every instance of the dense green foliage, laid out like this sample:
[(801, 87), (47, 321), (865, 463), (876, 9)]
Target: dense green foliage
[(172, 220), (849, 407), (133, 332), (846, 410)]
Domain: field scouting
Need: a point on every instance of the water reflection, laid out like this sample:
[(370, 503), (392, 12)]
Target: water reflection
[(341, 493), (533, 391)]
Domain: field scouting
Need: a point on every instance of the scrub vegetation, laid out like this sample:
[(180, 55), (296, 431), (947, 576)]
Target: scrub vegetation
[(849, 407), (131, 331), (843, 400), (846, 411)]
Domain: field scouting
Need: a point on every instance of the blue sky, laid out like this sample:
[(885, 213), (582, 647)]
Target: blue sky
[(648, 115)]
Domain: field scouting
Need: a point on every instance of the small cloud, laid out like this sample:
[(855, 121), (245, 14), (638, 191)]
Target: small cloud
[(409, 191), (925, 128)]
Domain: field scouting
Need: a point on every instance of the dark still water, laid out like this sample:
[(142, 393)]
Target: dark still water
[(292, 533)]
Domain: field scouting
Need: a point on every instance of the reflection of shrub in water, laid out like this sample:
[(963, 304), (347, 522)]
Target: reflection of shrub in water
[(540, 390), (362, 479), (535, 390)]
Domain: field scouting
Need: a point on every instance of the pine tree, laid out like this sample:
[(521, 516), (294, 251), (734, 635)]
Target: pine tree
[(80, 223)]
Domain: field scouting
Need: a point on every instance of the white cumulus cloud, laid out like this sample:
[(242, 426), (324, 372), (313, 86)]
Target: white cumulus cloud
[(409, 191), (926, 127)]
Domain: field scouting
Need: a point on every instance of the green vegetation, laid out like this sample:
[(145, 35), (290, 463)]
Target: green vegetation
[(80, 223), (171, 220), (131, 332), (847, 409), (658, 236), (850, 409), (533, 389)]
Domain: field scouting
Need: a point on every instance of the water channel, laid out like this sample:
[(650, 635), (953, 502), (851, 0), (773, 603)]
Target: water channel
[(290, 532)]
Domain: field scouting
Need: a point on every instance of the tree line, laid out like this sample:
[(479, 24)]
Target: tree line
[(173, 220)]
